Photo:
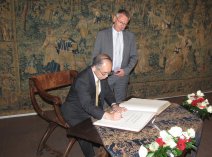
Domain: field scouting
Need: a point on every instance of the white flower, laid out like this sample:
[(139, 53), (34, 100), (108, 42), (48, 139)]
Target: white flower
[(171, 143), (154, 146), (171, 155), (206, 101), (189, 101), (191, 132), (191, 96), (185, 135), (168, 139), (163, 134), (202, 105), (209, 109), (142, 151), (176, 131), (199, 93)]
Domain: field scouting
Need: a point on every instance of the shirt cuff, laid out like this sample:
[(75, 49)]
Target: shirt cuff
[(113, 104)]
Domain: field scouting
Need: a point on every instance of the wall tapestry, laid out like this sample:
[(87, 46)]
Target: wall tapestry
[(40, 36)]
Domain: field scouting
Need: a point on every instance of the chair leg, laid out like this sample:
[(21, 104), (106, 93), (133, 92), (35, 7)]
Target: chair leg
[(70, 144), (45, 137)]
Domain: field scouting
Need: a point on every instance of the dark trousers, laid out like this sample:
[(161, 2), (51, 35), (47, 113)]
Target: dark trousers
[(87, 148)]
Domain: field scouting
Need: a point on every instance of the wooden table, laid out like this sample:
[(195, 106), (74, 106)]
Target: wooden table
[(126, 143)]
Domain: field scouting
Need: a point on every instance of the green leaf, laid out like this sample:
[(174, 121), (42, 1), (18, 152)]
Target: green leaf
[(150, 154)]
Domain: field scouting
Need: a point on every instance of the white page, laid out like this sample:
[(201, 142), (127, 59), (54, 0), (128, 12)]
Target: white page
[(150, 105), (132, 120)]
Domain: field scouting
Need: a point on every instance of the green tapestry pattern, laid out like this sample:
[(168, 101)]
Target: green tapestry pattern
[(173, 41)]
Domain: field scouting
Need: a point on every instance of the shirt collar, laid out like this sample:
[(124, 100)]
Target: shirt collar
[(114, 31), (95, 77)]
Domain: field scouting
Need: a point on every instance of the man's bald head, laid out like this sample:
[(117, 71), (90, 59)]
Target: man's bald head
[(102, 66)]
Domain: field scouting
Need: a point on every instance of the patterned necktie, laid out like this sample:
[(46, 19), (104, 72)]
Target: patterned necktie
[(97, 92)]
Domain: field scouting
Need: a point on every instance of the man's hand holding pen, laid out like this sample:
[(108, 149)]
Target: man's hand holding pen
[(115, 114), (117, 108)]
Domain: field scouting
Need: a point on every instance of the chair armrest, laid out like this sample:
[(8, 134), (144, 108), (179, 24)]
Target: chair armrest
[(46, 96), (53, 100)]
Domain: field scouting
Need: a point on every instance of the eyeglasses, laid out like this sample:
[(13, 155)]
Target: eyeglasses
[(124, 24), (105, 74)]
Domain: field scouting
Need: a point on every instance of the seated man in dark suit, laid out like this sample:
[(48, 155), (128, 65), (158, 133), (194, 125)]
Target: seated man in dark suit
[(82, 103)]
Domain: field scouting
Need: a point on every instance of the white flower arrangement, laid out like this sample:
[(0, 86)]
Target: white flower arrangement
[(196, 103), (170, 143)]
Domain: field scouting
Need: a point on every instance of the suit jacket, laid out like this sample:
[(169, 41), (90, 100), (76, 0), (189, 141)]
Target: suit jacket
[(104, 44), (80, 101)]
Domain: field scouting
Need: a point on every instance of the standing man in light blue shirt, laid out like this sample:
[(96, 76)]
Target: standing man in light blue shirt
[(121, 47)]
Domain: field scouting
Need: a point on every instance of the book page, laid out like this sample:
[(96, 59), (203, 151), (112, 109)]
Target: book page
[(149, 105), (132, 120)]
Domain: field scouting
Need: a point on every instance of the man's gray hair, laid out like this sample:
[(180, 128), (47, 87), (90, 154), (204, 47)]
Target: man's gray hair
[(125, 12), (98, 60)]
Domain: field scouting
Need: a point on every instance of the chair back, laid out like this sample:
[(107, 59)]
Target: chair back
[(40, 86)]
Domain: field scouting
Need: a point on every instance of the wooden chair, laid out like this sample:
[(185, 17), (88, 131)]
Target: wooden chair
[(39, 89)]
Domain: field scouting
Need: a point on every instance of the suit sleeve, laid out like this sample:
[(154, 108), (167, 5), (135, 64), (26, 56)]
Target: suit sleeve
[(133, 55), (97, 45), (109, 96), (86, 95)]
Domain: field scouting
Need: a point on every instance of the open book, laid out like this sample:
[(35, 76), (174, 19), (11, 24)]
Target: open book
[(139, 113)]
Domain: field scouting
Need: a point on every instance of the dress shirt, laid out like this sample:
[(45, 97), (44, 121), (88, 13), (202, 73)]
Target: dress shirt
[(118, 46), (96, 78)]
